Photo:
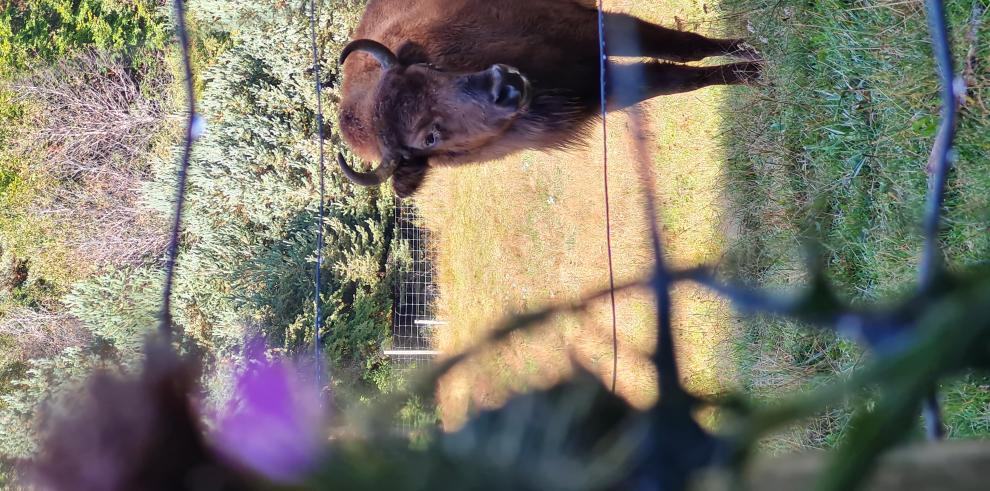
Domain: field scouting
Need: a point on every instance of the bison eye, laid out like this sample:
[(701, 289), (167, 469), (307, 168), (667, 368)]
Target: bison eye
[(431, 140)]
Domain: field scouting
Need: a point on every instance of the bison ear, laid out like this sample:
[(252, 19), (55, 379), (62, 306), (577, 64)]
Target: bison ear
[(409, 177), (411, 53)]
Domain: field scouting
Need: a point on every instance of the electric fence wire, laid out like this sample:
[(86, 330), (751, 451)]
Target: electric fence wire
[(317, 280), (194, 126), (602, 65)]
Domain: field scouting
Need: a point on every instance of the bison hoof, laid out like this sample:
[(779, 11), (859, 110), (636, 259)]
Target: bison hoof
[(747, 73), (745, 51)]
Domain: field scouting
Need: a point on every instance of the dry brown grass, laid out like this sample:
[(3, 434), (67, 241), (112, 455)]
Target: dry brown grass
[(40, 334), (87, 130), (530, 230)]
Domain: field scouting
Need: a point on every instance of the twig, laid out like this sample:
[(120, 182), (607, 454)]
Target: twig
[(934, 429), (972, 37)]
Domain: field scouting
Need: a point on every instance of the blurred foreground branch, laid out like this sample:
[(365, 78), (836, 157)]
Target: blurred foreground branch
[(955, 466)]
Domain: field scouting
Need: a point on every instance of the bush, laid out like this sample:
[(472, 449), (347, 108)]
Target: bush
[(48, 72), (75, 124), (251, 219), (87, 128), (37, 396), (119, 308), (44, 30), (89, 114), (38, 334)]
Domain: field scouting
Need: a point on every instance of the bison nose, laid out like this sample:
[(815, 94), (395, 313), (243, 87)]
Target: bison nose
[(507, 86)]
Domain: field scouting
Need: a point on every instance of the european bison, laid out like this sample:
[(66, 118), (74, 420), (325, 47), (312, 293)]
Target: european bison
[(454, 81)]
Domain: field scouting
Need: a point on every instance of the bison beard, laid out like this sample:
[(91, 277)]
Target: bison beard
[(476, 80), (408, 177)]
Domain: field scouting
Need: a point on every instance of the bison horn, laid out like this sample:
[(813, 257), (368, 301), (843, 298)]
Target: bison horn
[(373, 178), (381, 53)]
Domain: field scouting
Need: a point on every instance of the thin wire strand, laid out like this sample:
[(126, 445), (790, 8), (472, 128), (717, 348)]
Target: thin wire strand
[(938, 163), (602, 66), (317, 280), (165, 317), (940, 160), (629, 86)]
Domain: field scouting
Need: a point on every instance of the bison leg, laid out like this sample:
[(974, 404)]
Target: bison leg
[(629, 36), (637, 82)]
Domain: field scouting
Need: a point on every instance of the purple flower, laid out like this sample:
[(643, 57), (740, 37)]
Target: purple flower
[(274, 425)]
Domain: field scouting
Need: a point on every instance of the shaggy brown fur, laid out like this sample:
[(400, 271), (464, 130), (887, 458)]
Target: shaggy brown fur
[(445, 103)]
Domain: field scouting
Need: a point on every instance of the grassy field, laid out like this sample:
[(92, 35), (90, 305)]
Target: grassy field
[(834, 140), (836, 144)]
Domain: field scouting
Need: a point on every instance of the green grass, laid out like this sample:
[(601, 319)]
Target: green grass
[(836, 144)]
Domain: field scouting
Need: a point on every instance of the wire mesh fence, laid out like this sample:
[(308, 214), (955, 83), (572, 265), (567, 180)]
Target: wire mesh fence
[(413, 312)]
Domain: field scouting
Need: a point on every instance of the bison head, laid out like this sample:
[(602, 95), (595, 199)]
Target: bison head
[(420, 112)]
